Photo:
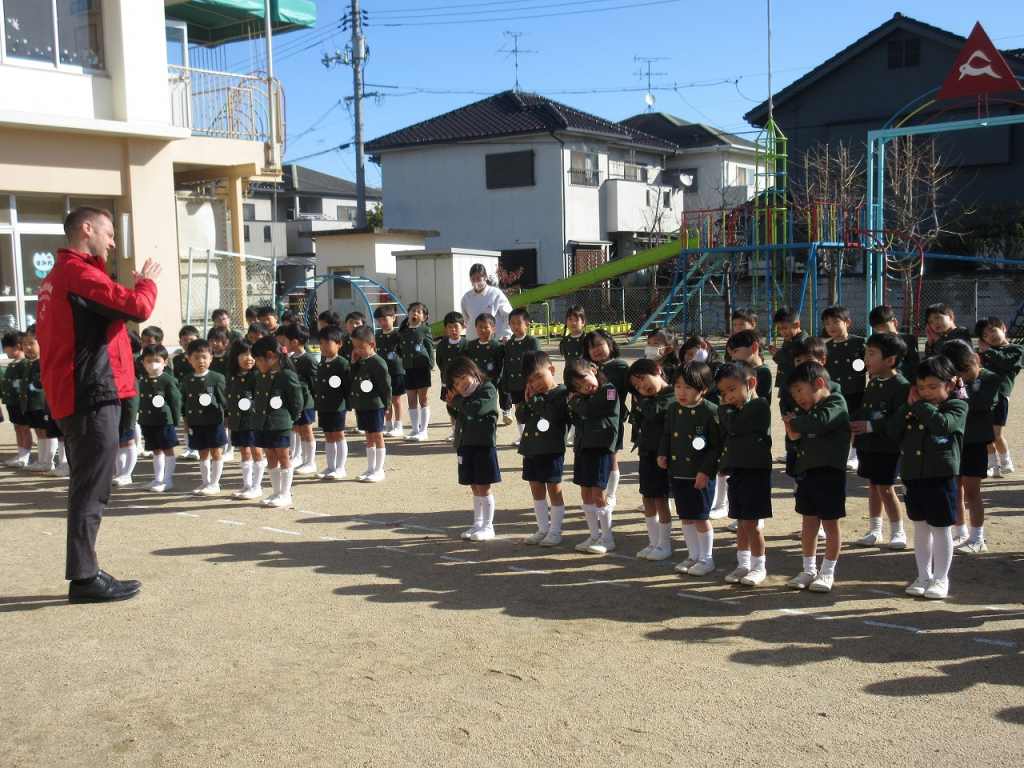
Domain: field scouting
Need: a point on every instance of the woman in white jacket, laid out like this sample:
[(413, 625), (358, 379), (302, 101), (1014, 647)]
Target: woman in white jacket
[(484, 298)]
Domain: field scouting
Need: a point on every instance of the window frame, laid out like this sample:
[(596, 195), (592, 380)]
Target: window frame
[(54, 63)]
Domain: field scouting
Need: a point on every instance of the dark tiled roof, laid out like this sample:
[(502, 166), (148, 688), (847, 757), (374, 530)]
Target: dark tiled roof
[(298, 178), (683, 134), (511, 113)]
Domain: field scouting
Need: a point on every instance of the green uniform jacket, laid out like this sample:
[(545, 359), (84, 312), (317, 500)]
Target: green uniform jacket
[(982, 394), (330, 398), (180, 366), (616, 371), (283, 384), (930, 438), (931, 349), (389, 346), (788, 405), (375, 370), (489, 357), (764, 380), (417, 347), (713, 395), (477, 419), (683, 425), (908, 366), (129, 411), (220, 365), (553, 408), (882, 398), (233, 336), (241, 386), (1005, 362), (654, 411), (445, 352), (31, 392), (596, 418), (747, 436), (571, 347), (824, 435), (347, 347), (515, 350), (783, 358), (839, 357), (12, 383), (168, 414), (305, 366), (192, 388)]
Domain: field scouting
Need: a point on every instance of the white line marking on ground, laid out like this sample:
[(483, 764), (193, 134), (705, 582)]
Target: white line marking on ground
[(1000, 608), (279, 530), (332, 538), (609, 583), (1000, 643), (230, 522), (423, 528), (47, 533), (137, 506), (184, 514), (706, 599), (392, 549), (881, 592), (528, 570), (371, 522), (886, 625), (311, 512), (451, 559), (792, 611)]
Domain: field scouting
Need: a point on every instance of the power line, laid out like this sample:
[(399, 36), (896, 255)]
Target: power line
[(529, 17), (415, 14)]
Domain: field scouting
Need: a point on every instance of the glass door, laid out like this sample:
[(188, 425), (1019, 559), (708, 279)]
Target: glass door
[(9, 320)]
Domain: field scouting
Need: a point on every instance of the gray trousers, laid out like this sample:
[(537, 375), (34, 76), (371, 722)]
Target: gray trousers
[(91, 441)]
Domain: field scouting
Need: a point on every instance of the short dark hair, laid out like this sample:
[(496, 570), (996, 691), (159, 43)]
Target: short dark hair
[(82, 214), (577, 311), (881, 315), (331, 317), (959, 353), (809, 345), (155, 350), (13, 338), (477, 269), (197, 345), (746, 314), (385, 310), (986, 324), (600, 334), (740, 370), (836, 312), (807, 373), (188, 330), (217, 332), (356, 316), (577, 371), (522, 312), (266, 311), (642, 367), (745, 338), (155, 332), (694, 342), (786, 315), (363, 333), (136, 341), (889, 344), (297, 332), (484, 317), (269, 344), (30, 331), (462, 366), (219, 313), (259, 328), (237, 347), (937, 309), (331, 333), (534, 359), (695, 374), (454, 317), (252, 312), (936, 367), (288, 317)]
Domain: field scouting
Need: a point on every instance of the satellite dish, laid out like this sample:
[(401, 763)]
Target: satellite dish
[(649, 98)]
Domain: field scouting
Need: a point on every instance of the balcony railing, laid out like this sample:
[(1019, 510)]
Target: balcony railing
[(223, 104), (585, 177)]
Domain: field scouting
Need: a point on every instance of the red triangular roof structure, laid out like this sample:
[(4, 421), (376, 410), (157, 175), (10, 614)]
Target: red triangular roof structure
[(979, 70)]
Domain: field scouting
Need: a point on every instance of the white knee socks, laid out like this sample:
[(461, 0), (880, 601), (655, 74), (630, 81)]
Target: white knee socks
[(247, 474), (204, 471), (131, 458), (216, 470), (487, 512), (424, 420), (942, 552), (309, 452), (414, 421), (652, 529), (692, 544), (923, 550), (590, 513), (378, 461), (170, 462), (158, 467), (706, 544), (258, 468), (371, 459), (557, 514), (604, 517), (540, 511), (613, 486), (721, 492), (331, 451)]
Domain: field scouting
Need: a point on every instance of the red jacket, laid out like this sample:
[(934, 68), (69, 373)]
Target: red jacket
[(85, 353)]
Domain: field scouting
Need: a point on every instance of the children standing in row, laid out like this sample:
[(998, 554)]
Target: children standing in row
[(277, 404), (159, 413), (296, 337), (370, 397), (241, 418), (653, 397), (203, 404), (515, 349), (1004, 360), (603, 351), (845, 363), (448, 348), (418, 360), (389, 347), (12, 343), (331, 385)]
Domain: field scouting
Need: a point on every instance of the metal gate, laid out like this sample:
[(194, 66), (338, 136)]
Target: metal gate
[(222, 280)]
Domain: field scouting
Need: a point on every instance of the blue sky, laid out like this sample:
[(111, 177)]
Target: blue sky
[(713, 58)]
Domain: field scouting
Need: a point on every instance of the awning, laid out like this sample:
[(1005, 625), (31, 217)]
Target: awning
[(211, 22)]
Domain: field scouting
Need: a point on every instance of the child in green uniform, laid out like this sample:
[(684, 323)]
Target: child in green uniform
[(544, 411), (353, 320), (222, 319), (689, 448), (746, 423), (203, 404), (786, 322), (882, 319), (940, 326), (389, 347), (743, 319), (180, 368), (1003, 359), (486, 351), (370, 397), (240, 391), (220, 340), (128, 450), (930, 430), (152, 334), (475, 399), (653, 397), (159, 413), (451, 346), (879, 454), (297, 336), (33, 405), (12, 398), (982, 388), (821, 431), (418, 359), (602, 350), (570, 346), (277, 403), (515, 349), (594, 404), (331, 385), (845, 363)]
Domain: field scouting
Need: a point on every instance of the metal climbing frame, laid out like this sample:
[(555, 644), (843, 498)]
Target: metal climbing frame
[(371, 291)]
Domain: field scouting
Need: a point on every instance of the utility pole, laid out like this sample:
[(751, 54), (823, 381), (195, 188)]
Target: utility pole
[(358, 56)]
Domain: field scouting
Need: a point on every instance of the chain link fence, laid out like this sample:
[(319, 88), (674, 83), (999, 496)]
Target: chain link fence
[(221, 280)]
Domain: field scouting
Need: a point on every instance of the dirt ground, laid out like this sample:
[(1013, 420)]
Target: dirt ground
[(359, 629)]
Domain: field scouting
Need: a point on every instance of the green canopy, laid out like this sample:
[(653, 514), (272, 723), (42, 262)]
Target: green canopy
[(211, 22)]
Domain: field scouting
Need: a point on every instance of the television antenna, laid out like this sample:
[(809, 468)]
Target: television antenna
[(515, 50), (648, 60)]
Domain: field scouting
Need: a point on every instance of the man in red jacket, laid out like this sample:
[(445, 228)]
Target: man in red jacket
[(86, 369)]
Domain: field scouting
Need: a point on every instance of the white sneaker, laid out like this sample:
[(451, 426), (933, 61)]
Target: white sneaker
[(162, 488), (586, 544), (643, 553), (119, 480), (1006, 467), (450, 438), (537, 538), (821, 533), (872, 539), (484, 534), (916, 588), (416, 437), (822, 584), (280, 501), (468, 533), (898, 540), (657, 554), (972, 547), (602, 546), (686, 565), (733, 526), (738, 575), (754, 577), (802, 580), (151, 485), (239, 493), (994, 472), (251, 493), (39, 466), (65, 471), (717, 513), (337, 474), (938, 589), (362, 476), (306, 469), (553, 539), (396, 432), (209, 489), (17, 462), (959, 541), (703, 568), (228, 456), (145, 454), (781, 458), (189, 455), (375, 477), (517, 441), (852, 464), (506, 417)]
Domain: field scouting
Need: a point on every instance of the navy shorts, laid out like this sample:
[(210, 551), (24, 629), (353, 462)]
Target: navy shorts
[(331, 421), (36, 419), (931, 500), (308, 416), (15, 414), (272, 440), (653, 479), (517, 397), (692, 504), (878, 468), (1001, 412), (622, 433), (750, 493), (417, 378), (203, 437), (591, 467), (821, 493), (370, 421), (159, 438), (853, 401), (544, 468), (127, 436), (52, 430), (791, 461), (245, 438), (974, 460), (398, 384), (478, 465)]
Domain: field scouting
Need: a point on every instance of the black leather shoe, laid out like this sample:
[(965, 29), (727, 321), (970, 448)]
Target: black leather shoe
[(104, 589), (125, 582)]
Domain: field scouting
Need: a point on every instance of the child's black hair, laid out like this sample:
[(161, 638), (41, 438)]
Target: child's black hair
[(462, 366), (197, 345), (740, 370), (522, 312), (289, 317), (155, 332), (454, 317), (13, 338), (331, 333), (696, 375), (642, 367), (666, 339), (808, 372), (217, 332), (785, 315), (485, 317), (252, 314), (155, 350), (385, 310), (960, 354), (578, 312), (600, 334), (836, 312), (937, 309), (578, 370), (746, 314), (356, 316), (259, 328), (695, 342), (410, 308), (330, 317), (889, 344), (986, 324), (745, 338), (297, 332), (237, 347), (534, 359), (269, 344), (936, 367), (881, 315), (809, 345), (188, 330), (135, 340), (265, 311), (219, 313), (363, 333)]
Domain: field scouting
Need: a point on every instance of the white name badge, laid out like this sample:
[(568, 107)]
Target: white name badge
[(205, 400), (158, 401), (334, 381), (276, 402), (244, 404), (418, 348), (543, 425), (391, 355), (858, 365), (699, 443), (366, 385)]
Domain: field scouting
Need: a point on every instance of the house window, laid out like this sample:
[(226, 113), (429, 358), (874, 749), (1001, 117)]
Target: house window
[(29, 32), (248, 211), (245, 232), (583, 169), (346, 213), (618, 169), (342, 288), (526, 258), (666, 199), (741, 177), (509, 169), (266, 234), (905, 53)]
